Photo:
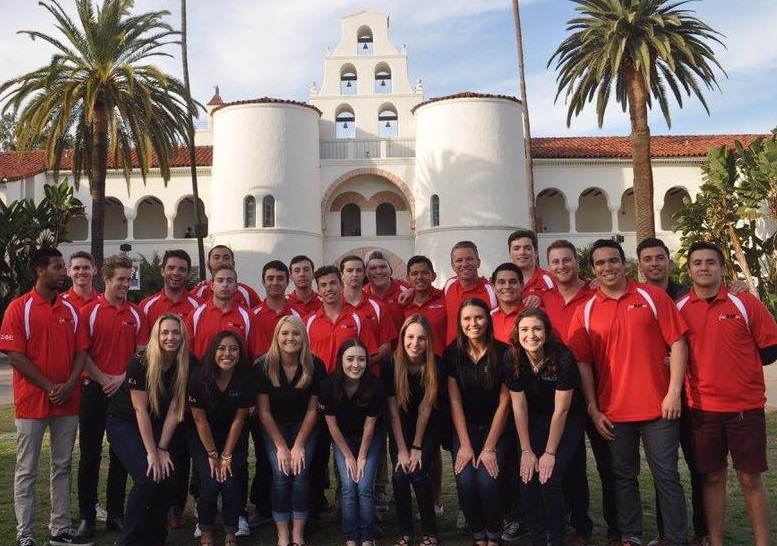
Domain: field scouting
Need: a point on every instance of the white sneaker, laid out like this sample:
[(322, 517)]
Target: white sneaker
[(100, 513), (439, 509), (197, 531), (243, 530)]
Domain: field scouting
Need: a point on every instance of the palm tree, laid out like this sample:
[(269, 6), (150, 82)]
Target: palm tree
[(98, 89), (636, 49)]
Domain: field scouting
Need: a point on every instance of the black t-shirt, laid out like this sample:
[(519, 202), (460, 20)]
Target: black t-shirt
[(479, 400), (409, 417), (221, 406), (120, 404), (288, 404), (541, 389), (351, 413)]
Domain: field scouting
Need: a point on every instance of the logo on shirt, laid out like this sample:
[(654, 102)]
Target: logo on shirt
[(636, 306), (239, 326), (65, 320), (130, 323), (347, 327), (6, 337), (729, 316), (233, 393)]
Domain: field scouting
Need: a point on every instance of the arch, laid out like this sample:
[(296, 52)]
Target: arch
[(150, 220), (398, 265), (345, 122), (78, 228), (364, 41), (434, 208), (673, 203), (184, 216), (348, 197), (249, 211), (390, 197), (627, 216), (385, 219), (551, 211), (383, 82), (349, 81), (592, 212), (350, 220), (388, 121), (332, 191), (268, 211), (115, 220)]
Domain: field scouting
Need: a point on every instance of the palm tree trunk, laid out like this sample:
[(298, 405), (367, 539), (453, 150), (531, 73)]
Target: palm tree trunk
[(640, 150), (526, 124), (97, 175), (199, 228)]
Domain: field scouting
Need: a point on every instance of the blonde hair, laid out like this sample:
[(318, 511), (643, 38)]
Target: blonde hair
[(402, 363), (154, 357), (273, 357)]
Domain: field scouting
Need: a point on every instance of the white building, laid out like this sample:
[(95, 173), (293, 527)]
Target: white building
[(368, 163)]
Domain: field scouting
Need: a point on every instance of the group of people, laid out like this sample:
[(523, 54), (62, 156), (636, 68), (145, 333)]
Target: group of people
[(509, 374)]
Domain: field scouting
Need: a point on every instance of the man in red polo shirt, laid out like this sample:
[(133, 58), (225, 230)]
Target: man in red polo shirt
[(730, 337), (222, 255), (427, 300), (523, 249), (383, 287), (467, 284), (620, 338), (303, 298), (46, 342), (275, 279), (81, 271), (222, 312), (173, 298), (506, 280), (117, 330)]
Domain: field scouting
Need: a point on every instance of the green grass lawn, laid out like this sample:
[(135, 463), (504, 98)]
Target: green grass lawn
[(326, 532)]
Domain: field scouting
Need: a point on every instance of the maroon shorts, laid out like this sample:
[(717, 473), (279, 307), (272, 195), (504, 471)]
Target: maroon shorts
[(743, 434)]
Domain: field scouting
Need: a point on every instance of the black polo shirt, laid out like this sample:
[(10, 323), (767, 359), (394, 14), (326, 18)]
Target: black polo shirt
[(409, 417), (288, 404), (221, 406), (351, 413)]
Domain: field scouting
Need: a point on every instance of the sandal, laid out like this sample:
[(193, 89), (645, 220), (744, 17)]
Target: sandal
[(430, 540), (403, 541)]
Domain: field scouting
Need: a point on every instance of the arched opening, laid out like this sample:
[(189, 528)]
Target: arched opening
[(78, 228), (382, 78), (350, 221), (673, 203), (388, 121), (627, 213), (434, 208), (150, 221), (551, 210), (115, 220), (592, 213), (249, 211), (364, 41), (268, 211), (184, 217), (385, 219), (348, 79), (345, 122)]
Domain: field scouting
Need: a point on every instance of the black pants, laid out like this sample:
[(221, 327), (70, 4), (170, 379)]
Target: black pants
[(261, 486), (319, 467), (91, 423)]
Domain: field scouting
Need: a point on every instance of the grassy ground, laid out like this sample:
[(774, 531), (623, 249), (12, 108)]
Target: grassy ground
[(326, 532)]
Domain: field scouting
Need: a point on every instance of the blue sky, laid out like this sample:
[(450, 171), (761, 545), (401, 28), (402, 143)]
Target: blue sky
[(255, 48)]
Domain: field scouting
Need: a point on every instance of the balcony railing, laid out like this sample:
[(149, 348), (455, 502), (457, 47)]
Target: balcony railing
[(367, 149)]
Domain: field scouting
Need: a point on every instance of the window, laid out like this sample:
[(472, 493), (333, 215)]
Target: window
[(268, 211), (388, 123), (345, 123), (364, 41), (435, 210), (385, 219), (383, 78), (350, 221), (249, 212), (348, 80)]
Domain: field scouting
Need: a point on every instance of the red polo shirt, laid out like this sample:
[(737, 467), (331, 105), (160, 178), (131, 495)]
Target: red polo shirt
[(434, 311), (391, 302), (267, 318), (626, 340), (157, 305), (49, 336), (455, 293), (537, 284), (725, 372), (375, 312), (304, 308), (208, 320), (560, 312), (326, 336), (114, 334), (245, 295), (77, 301), (504, 323)]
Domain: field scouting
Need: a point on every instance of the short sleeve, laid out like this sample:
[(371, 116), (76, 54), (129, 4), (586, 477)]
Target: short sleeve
[(579, 340), (568, 376), (387, 378), (82, 337), (261, 380), (513, 383), (249, 391), (319, 374), (136, 374), (377, 401), (670, 321), (194, 391), (762, 324), (143, 332), (12, 335), (325, 399), (449, 360)]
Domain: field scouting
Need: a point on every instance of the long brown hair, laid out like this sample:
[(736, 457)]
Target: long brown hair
[(402, 363), (520, 358), (272, 359), (154, 361)]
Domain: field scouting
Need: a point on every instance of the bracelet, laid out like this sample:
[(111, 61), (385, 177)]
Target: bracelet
[(213, 454), (417, 448), (527, 450), (226, 458), (160, 448), (549, 453), (488, 450)]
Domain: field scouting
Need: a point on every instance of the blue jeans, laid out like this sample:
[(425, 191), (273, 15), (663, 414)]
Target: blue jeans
[(660, 439), (145, 517), (482, 497), (357, 500), (290, 495)]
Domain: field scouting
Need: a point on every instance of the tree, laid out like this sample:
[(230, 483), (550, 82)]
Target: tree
[(98, 89), (636, 49)]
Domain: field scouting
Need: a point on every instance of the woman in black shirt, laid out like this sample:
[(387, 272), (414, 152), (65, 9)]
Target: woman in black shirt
[(479, 409), (411, 380), (142, 417), (221, 392), (289, 379), (542, 375)]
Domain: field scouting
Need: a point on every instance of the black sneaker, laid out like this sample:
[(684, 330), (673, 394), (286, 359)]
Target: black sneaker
[(25, 540), (68, 537)]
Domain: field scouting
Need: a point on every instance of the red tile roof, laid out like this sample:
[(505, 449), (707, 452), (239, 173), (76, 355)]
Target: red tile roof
[(267, 100), (465, 95)]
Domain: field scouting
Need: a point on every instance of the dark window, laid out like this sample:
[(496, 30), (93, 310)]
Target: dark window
[(268, 211), (350, 221), (435, 206), (386, 219), (249, 212)]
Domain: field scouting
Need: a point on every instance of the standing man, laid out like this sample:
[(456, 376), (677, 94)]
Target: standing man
[(383, 287), (467, 284), (427, 300), (303, 298), (275, 279), (117, 330), (173, 298), (81, 271), (620, 338), (730, 337), (506, 280), (654, 262), (222, 255), (523, 249), (46, 342)]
